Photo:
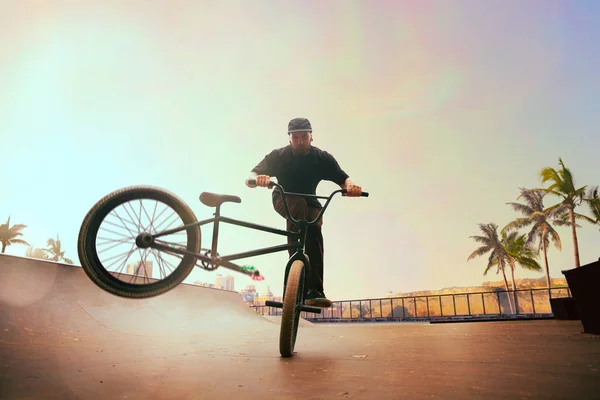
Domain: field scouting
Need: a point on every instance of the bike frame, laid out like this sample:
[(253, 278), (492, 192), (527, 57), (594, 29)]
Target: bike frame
[(299, 236)]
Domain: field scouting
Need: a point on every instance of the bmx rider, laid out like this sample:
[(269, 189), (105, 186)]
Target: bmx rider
[(299, 167)]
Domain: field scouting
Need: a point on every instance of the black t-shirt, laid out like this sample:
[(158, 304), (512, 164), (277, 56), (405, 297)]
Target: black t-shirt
[(301, 173)]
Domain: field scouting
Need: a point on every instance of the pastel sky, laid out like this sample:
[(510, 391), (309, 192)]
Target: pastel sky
[(441, 110)]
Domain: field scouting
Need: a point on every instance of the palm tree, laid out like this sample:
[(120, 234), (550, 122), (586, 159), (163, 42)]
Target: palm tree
[(593, 202), (55, 250), (519, 252), (9, 234), (542, 230), (562, 184), (492, 244)]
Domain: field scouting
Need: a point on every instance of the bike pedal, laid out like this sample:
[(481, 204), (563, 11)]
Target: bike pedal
[(311, 309), (276, 304)]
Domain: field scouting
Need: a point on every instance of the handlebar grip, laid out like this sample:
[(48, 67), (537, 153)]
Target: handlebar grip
[(363, 194), (253, 182)]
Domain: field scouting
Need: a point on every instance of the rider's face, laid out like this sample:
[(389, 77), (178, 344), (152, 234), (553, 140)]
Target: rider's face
[(300, 142)]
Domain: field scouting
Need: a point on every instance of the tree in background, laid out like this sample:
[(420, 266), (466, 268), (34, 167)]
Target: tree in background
[(593, 202), (562, 184), (540, 221), (36, 252), (55, 251), (492, 244), (519, 252), (9, 235)]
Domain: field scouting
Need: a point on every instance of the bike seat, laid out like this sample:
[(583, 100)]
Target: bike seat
[(215, 200)]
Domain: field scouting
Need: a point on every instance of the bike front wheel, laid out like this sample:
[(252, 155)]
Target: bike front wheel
[(292, 307), (123, 265)]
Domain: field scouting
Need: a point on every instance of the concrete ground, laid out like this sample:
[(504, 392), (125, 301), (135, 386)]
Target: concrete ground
[(61, 337)]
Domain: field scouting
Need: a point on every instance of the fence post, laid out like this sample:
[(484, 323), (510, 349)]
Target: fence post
[(469, 304), (483, 303), (454, 304)]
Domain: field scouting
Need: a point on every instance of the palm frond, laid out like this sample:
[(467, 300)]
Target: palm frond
[(593, 202), (479, 252), (17, 227), (555, 238), (522, 208), (516, 224), (530, 264), (19, 241), (557, 208), (481, 239), (564, 222), (567, 178), (585, 218), (549, 174)]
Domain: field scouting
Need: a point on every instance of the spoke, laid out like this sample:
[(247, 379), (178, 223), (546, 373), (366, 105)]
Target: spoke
[(118, 234), (126, 257), (138, 225), (111, 247), (145, 212), (106, 240), (159, 261), (159, 215), (117, 225), (153, 214), (121, 219), (120, 254), (160, 266), (165, 220), (145, 265)]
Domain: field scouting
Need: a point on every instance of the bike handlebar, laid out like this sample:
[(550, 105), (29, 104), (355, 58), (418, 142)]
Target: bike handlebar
[(284, 193)]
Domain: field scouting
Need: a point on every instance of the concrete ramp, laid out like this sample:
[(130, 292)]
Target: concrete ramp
[(41, 300)]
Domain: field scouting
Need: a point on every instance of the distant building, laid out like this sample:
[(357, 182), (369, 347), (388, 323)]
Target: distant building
[(204, 284), (140, 269), (229, 283), (220, 282), (268, 295), (248, 293)]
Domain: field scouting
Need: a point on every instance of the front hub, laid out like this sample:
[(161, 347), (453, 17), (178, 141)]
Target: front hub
[(144, 240)]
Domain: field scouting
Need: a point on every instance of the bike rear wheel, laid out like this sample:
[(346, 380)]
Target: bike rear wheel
[(138, 279), (292, 307)]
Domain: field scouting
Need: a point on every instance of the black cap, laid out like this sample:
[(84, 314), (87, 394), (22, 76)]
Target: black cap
[(299, 125)]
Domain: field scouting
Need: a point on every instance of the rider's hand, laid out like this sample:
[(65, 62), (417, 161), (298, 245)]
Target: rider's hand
[(353, 190), (263, 180)]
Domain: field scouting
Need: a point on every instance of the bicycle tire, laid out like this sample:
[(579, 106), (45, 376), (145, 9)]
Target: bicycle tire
[(292, 307), (88, 255)]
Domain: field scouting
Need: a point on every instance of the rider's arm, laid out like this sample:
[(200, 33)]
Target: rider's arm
[(264, 169)]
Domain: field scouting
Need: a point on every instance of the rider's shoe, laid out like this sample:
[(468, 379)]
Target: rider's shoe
[(316, 298)]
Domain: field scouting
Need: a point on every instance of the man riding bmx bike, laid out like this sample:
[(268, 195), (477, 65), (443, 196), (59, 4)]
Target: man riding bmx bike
[(299, 167)]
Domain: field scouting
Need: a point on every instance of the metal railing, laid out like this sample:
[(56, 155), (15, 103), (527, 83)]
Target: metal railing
[(534, 302)]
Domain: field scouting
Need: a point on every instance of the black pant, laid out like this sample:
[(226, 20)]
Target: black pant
[(299, 209)]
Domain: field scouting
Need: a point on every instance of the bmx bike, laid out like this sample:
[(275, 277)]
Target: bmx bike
[(148, 233)]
